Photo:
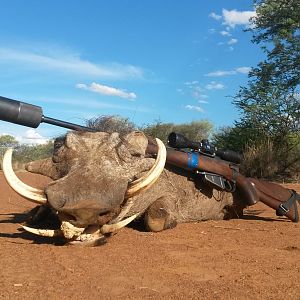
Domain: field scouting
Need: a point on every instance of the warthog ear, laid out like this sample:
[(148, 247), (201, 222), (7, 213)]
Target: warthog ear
[(72, 141), (136, 143)]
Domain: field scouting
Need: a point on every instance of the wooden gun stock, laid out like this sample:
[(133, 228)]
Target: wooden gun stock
[(274, 195), (251, 190)]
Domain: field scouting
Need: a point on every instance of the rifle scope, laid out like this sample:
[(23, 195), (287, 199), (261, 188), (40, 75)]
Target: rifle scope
[(29, 115), (177, 140)]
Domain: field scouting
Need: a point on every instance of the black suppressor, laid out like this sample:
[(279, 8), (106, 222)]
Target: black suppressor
[(29, 115), (177, 140)]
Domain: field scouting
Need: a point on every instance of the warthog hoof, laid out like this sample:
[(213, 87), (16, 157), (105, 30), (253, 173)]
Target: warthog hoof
[(157, 218)]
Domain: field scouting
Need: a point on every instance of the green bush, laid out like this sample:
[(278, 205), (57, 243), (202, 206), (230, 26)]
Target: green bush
[(7, 141), (24, 153), (195, 131), (266, 156)]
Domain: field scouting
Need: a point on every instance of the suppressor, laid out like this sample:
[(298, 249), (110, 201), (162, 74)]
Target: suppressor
[(29, 115)]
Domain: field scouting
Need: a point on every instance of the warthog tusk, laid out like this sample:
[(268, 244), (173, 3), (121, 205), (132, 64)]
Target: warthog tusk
[(30, 193), (44, 232), (150, 178), (110, 228), (69, 230), (9, 168)]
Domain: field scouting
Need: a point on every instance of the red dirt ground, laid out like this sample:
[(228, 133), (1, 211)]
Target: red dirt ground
[(252, 258)]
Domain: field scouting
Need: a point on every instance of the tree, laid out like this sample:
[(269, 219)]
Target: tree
[(270, 103), (26, 153), (195, 131), (7, 141), (233, 138)]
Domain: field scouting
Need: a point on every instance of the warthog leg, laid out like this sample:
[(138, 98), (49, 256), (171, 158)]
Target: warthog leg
[(157, 217)]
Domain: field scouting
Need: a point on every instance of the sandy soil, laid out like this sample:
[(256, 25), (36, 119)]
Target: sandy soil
[(257, 257)]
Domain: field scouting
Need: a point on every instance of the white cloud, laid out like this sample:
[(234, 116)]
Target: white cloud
[(66, 63), (220, 73), (106, 90), (225, 33), (193, 107), (195, 90), (243, 70), (203, 97), (213, 85), (31, 137), (232, 41), (203, 101), (197, 93), (191, 83), (215, 16), (233, 17)]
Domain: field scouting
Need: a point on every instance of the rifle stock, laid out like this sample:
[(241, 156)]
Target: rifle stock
[(251, 190), (273, 195)]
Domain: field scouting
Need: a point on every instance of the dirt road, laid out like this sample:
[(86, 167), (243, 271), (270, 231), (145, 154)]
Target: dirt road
[(257, 257)]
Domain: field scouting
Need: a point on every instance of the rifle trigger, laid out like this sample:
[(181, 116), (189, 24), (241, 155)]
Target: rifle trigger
[(215, 179)]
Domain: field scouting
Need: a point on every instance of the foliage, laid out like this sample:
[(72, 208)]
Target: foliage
[(196, 130), (270, 103), (234, 138), (7, 141), (263, 159), (259, 160), (24, 153)]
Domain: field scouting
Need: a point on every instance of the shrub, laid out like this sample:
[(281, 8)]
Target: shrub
[(26, 153), (111, 124), (195, 131)]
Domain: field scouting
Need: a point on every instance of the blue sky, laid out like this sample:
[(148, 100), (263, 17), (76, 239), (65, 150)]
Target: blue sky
[(173, 61)]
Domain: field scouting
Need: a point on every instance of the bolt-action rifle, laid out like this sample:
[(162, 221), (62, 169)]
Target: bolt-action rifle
[(219, 167)]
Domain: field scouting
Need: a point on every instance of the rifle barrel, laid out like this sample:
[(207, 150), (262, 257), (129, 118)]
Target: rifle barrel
[(65, 124)]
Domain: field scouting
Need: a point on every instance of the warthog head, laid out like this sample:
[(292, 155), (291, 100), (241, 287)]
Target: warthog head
[(94, 175)]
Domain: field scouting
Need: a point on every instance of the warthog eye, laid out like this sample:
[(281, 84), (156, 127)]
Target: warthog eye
[(59, 142)]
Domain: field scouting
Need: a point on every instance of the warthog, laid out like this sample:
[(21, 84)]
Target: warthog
[(103, 181)]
